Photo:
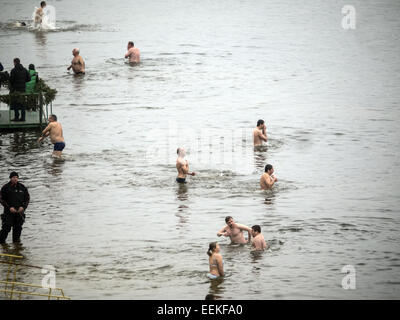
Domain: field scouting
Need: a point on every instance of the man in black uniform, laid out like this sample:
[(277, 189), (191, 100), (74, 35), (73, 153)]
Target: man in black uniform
[(15, 199), (19, 76)]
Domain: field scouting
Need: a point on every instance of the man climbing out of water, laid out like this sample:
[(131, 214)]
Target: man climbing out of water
[(54, 129), (182, 165), (268, 179), (258, 242), (14, 197), (259, 133), (133, 53), (77, 63), (234, 231), (39, 14)]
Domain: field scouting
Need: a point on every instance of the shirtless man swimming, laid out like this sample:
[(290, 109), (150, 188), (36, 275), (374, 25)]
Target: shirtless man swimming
[(260, 134), (234, 231), (133, 53), (182, 165), (39, 14), (77, 63), (258, 242), (54, 129)]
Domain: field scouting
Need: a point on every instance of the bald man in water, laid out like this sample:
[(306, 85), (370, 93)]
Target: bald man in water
[(77, 63), (182, 166)]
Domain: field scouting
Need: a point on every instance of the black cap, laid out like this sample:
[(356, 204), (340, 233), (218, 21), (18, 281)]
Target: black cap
[(13, 174)]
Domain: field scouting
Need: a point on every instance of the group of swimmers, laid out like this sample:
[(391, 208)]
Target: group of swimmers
[(232, 229)]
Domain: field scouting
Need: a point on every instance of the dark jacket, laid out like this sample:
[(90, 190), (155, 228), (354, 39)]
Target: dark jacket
[(19, 76), (14, 197)]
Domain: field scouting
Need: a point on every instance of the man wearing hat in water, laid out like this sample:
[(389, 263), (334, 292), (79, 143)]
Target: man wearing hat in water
[(14, 197)]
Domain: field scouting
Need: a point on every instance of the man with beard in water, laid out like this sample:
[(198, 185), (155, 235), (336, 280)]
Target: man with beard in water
[(77, 63), (235, 231), (268, 179), (182, 165)]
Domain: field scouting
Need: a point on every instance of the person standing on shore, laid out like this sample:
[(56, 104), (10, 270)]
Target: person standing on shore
[(14, 197)]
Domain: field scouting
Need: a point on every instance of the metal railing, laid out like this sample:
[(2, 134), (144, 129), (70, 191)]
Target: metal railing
[(15, 290)]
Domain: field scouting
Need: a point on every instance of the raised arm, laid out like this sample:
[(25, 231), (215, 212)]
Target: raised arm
[(263, 135), (245, 228), (222, 232)]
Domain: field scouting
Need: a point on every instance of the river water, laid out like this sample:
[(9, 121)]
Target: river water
[(111, 218)]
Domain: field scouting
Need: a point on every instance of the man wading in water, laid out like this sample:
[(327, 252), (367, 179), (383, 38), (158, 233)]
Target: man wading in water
[(234, 231), (182, 165), (54, 129), (77, 63)]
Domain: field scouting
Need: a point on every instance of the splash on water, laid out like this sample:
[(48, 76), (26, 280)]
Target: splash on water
[(45, 22)]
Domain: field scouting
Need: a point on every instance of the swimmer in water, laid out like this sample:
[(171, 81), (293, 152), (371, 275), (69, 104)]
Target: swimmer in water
[(133, 53), (39, 14), (260, 133), (234, 231), (55, 131), (182, 165), (268, 179), (258, 242), (215, 261), (77, 63)]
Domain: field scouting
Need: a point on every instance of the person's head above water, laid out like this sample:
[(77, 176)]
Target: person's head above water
[(269, 169), (181, 152), (75, 51), (229, 221), (43, 4), (213, 248), (260, 122), (130, 44), (52, 118), (256, 229)]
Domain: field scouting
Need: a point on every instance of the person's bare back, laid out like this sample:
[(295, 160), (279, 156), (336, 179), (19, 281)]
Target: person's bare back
[(258, 242), (56, 132)]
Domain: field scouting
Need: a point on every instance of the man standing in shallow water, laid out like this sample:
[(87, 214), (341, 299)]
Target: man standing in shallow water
[(234, 231), (182, 165), (54, 129), (133, 53), (260, 133), (77, 63), (268, 179)]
